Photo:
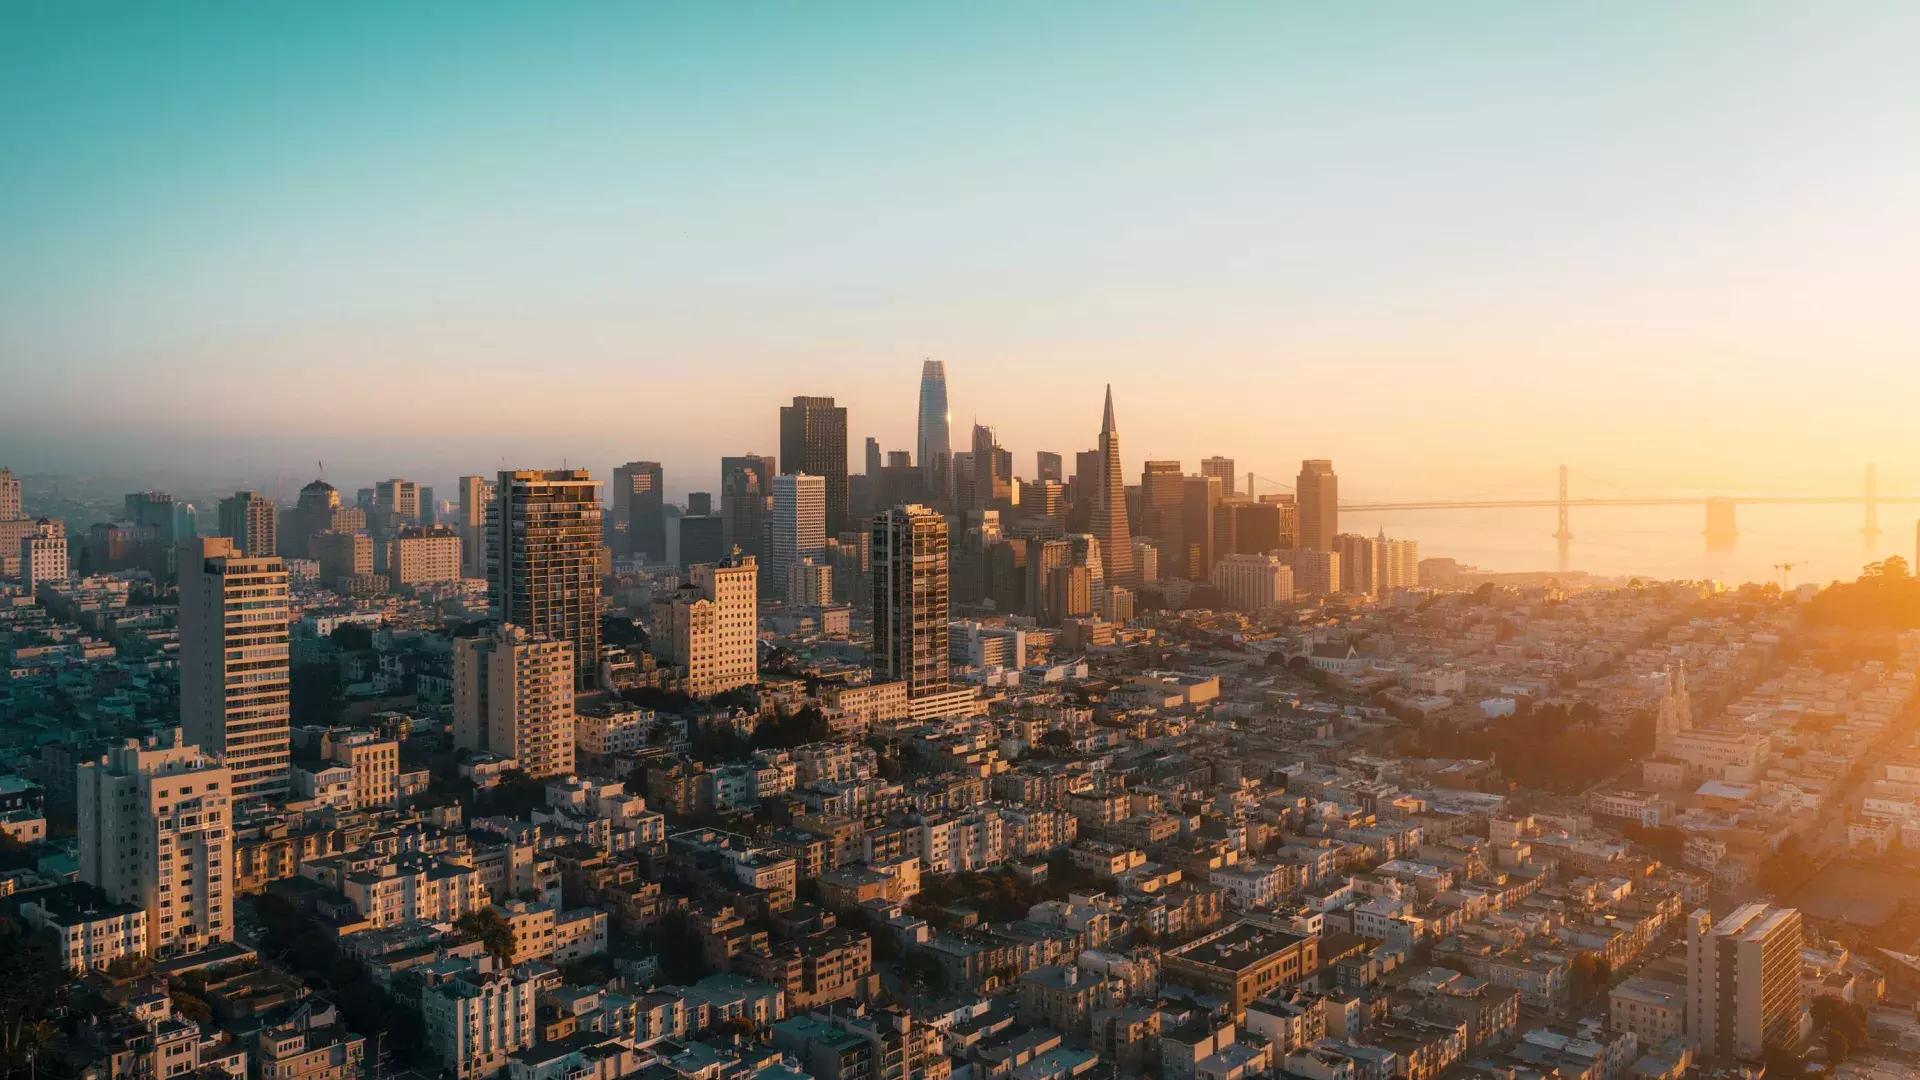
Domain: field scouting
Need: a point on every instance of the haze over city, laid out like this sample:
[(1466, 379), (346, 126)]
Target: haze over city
[(1066, 541)]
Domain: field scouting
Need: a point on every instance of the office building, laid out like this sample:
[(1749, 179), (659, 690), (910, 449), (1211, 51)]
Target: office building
[(1359, 564), (1162, 513), (1047, 466), (343, 556), (933, 447), (543, 559), (43, 553), (813, 442), (992, 472), (1069, 593), (156, 832), (708, 629), (1146, 561), (153, 510), (1253, 529), (1254, 583), (513, 696), (639, 510), (1744, 994), (702, 538), (476, 496), (234, 662), (1220, 468), (396, 504), (423, 555), (746, 490), (1110, 508), (1317, 501), (910, 601), (251, 520), (1199, 506), (799, 527), (10, 504), (810, 583), (1315, 573), (312, 514)]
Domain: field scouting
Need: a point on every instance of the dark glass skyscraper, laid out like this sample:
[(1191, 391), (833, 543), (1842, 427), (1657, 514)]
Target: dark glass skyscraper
[(813, 440)]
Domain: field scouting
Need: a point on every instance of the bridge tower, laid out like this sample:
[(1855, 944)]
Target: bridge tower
[(1563, 535), (1871, 530)]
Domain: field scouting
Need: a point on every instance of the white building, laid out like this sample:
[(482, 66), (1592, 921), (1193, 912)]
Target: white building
[(93, 930), (478, 1019), (513, 696), (235, 662), (43, 553), (1744, 992), (1254, 583), (156, 832), (799, 527)]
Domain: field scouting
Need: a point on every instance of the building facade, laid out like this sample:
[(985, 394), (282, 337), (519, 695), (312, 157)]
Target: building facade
[(235, 675), (543, 559)]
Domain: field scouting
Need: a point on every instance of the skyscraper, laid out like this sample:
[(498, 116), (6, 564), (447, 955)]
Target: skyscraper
[(476, 496), (813, 440), (543, 559), (1162, 499), (639, 510), (1317, 492), (1046, 466), (1221, 467), (992, 471), (910, 582), (1199, 504), (312, 514), (1744, 994), (153, 510), (251, 520), (708, 629), (1110, 511), (874, 461), (513, 695), (934, 447), (396, 503), (234, 662), (156, 831), (10, 495), (799, 526), (746, 488)]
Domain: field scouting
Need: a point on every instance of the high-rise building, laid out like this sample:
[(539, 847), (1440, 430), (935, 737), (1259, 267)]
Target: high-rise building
[(1161, 513), (708, 629), (1199, 505), (1110, 511), (10, 506), (1256, 528), (1069, 593), (476, 495), (513, 696), (234, 662), (1399, 563), (746, 490), (43, 553), (343, 556), (312, 514), (1360, 560), (934, 447), (1221, 468), (543, 559), (422, 555), (156, 832), (1254, 583), (1317, 492), (639, 510), (1043, 558), (874, 461), (910, 608), (1046, 466), (813, 441), (154, 510), (699, 503), (799, 529), (1146, 560), (396, 504), (1744, 993), (1315, 573), (992, 471), (251, 520), (702, 538), (810, 583)]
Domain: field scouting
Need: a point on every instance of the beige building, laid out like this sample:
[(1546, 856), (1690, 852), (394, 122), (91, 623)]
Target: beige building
[(156, 832), (910, 608), (1315, 573), (476, 496), (810, 583), (1254, 583), (91, 929), (543, 560), (709, 629), (298, 1052), (420, 555), (43, 553), (252, 522), (513, 696), (234, 677), (478, 1019), (375, 762), (343, 556), (10, 508), (1744, 992)]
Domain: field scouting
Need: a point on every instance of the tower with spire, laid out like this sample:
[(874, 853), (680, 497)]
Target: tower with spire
[(1110, 507), (1675, 713)]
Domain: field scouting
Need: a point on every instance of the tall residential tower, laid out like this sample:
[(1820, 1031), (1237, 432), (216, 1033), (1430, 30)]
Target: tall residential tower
[(235, 679), (543, 559), (910, 582)]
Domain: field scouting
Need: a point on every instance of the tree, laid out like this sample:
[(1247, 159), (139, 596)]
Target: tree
[(492, 930)]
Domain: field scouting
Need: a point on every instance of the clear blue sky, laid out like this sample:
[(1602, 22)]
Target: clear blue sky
[(1446, 244)]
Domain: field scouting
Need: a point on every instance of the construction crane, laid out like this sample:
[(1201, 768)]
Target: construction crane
[(1785, 569)]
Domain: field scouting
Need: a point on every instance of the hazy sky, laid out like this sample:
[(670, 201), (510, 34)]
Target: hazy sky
[(1448, 245)]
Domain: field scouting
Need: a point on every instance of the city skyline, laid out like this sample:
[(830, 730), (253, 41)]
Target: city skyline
[(1342, 197)]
